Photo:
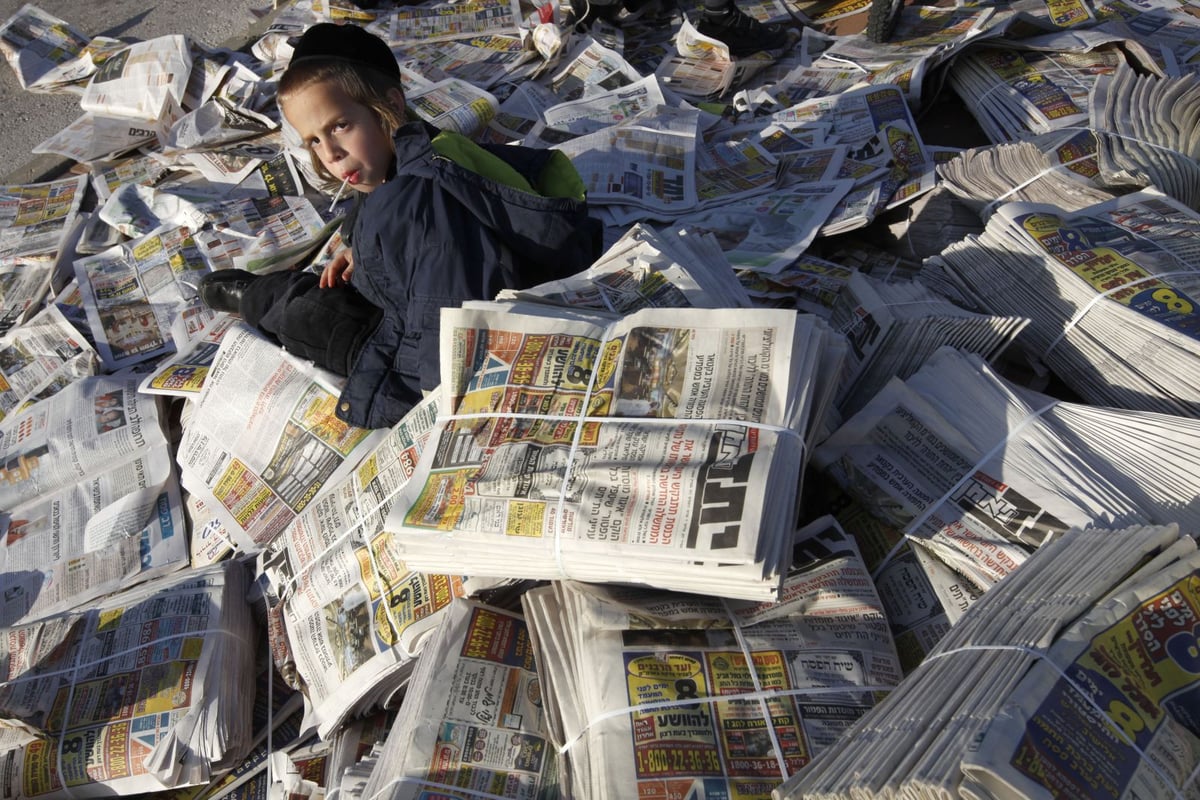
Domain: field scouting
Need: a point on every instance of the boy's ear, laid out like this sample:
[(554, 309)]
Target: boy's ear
[(395, 97)]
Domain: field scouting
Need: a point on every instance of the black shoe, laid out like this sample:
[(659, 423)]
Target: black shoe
[(742, 33), (222, 290)]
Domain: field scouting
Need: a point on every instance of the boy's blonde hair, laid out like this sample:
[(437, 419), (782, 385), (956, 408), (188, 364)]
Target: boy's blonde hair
[(361, 83)]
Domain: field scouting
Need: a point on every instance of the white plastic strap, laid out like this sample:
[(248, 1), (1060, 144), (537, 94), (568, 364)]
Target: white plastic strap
[(1088, 307)]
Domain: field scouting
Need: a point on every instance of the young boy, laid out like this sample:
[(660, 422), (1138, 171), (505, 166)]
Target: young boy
[(438, 220)]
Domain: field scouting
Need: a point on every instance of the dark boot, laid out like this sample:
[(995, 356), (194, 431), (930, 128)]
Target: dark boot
[(742, 33), (222, 290)]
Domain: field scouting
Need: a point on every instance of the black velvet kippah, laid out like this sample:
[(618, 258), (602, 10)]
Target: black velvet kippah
[(348, 42)]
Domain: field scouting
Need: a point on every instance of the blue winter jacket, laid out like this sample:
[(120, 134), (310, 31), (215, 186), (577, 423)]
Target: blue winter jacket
[(438, 234)]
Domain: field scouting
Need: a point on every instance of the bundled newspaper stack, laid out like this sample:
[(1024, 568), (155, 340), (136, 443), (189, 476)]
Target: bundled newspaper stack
[(973, 474), (90, 498), (1016, 90), (647, 268), (147, 690), (473, 722), (1108, 290), (893, 326), (642, 449), (1057, 168), (652, 694), (348, 616), (1147, 132), (1073, 678)]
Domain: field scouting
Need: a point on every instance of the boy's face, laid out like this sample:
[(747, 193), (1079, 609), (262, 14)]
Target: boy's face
[(344, 134)]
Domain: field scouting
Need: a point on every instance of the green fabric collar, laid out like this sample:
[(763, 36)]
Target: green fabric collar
[(558, 179)]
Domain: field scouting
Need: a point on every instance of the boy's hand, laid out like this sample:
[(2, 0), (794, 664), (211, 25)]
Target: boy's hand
[(337, 272)]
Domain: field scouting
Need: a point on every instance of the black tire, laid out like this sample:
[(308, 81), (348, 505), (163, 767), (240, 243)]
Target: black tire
[(881, 19)]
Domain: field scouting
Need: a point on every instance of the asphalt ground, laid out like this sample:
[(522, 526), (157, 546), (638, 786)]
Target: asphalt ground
[(27, 119)]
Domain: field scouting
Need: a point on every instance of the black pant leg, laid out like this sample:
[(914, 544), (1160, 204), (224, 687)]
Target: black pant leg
[(325, 326)]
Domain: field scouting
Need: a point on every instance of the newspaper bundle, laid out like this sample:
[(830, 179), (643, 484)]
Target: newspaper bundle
[(975, 474), (893, 326), (647, 268), (89, 496), (1070, 679), (473, 722), (1146, 132), (264, 438), (147, 690), (641, 449), (1057, 168), (351, 615), (1013, 92), (1108, 290), (651, 694)]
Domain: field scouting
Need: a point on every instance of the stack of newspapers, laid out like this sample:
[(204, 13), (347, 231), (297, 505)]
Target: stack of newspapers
[(893, 326), (1014, 91), (666, 447), (647, 268), (473, 723), (1146, 130), (655, 694), (977, 473), (1110, 292), (349, 616), (1074, 678), (1058, 168), (146, 690)]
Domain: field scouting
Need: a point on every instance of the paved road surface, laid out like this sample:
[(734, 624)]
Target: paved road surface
[(27, 119)]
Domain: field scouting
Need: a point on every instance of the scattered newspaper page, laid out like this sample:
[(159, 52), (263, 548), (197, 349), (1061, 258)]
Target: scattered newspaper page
[(264, 439)]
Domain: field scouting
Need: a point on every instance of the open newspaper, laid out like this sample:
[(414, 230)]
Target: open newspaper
[(147, 690), (35, 218), (652, 694), (40, 358), (133, 291), (264, 439), (1064, 681), (145, 81), (642, 449), (90, 497)]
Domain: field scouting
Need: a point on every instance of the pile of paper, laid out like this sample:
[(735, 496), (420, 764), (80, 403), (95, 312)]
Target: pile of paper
[(1096, 623), (473, 718), (894, 326), (350, 636), (637, 450), (638, 434), (975, 473), (653, 692), (1108, 290), (144, 691), (91, 498)]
